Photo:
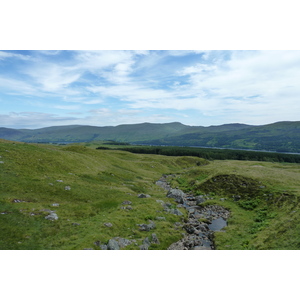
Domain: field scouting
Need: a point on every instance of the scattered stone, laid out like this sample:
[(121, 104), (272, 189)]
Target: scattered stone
[(199, 199), (113, 245), (161, 218), (55, 204), (177, 194), (160, 201), (59, 180), (143, 196), (51, 183), (128, 207), (126, 202), (67, 188), (144, 247), (75, 224), (154, 239), (18, 201), (147, 227), (1, 162), (176, 212), (52, 217), (108, 224)]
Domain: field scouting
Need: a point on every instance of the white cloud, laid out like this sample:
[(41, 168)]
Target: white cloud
[(5, 55)]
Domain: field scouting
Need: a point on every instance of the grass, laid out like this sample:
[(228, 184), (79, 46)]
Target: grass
[(100, 181), (263, 199), (264, 216)]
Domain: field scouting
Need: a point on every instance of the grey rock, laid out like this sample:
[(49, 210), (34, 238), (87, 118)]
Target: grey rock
[(146, 227), (123, 242), (59, 180), (144, 247), (55, 204), (177, 194), (113, 245), (126, 202), (103, 247), (67, 188), (143, 196), (108, 224), (1, 162), (160, 201), (75, 224), (161, 218), (146, 241), (154, 239), (52, 217), (199, 199), (128, 207), (176, 212)]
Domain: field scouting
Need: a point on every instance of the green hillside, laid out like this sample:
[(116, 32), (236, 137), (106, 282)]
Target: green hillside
[(281, 136), (89, 190)]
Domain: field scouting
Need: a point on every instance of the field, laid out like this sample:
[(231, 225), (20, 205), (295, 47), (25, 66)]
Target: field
[(263, 198)]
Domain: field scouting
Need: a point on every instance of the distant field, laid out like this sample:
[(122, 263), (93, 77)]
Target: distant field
[(265, 216)]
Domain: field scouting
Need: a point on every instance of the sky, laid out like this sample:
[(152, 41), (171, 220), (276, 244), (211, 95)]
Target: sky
[(103, 88)]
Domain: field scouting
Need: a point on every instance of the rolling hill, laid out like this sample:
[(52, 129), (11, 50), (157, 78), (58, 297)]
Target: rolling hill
[(280, 136)]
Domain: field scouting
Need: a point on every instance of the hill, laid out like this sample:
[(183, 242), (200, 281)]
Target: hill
[(74, 197), (280, 136)]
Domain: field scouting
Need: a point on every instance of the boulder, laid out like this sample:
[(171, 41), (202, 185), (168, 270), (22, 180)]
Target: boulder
[(108, 224), (154, 239), (113, 245), (143, 196), (177, 194), (52, 217)]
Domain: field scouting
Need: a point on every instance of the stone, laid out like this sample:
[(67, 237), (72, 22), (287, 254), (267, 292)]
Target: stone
[(108, 224), (199, 199), (1, 162), (128, 207), (143, 196), (177, 194), (55, 204), (59, 180), (126, 202), (154, 239), (176, 212), (113, 245), (161, 218), (123, 242), (67, 188), (144, 247), (160, 201), (52, 217), (103, 247), (75, 224), (146, 227)]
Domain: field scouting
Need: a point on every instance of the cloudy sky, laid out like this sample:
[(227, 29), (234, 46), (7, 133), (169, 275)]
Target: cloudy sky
[(49, 88)]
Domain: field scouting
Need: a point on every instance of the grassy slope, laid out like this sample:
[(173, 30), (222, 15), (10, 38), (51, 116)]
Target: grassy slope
[(266, 216), (100, 181)]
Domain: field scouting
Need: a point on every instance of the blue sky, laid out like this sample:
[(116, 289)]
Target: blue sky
[(101, 88)]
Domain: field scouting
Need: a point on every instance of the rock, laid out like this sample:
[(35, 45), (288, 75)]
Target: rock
[(176, 212), (52, 217), (51, 183), (199, 199), (18, 201), (177, 194), (146, 227), (144, 247), (161, 218), (160, 201), (108, 224), (1, 162), (113, 245), (67, 188), (154, 239), (123, 242), (55, 204), (143, 196), (75, 224), (59, 180), (146, 241), (103, 247), (128, 207), (126, 202)]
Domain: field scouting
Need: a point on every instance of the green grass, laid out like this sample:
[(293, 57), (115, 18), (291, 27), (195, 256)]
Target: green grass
[(264, 217), (266, 213), (100, 181)]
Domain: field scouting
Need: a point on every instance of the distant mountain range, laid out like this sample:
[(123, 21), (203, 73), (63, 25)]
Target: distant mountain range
[(280, 136)]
